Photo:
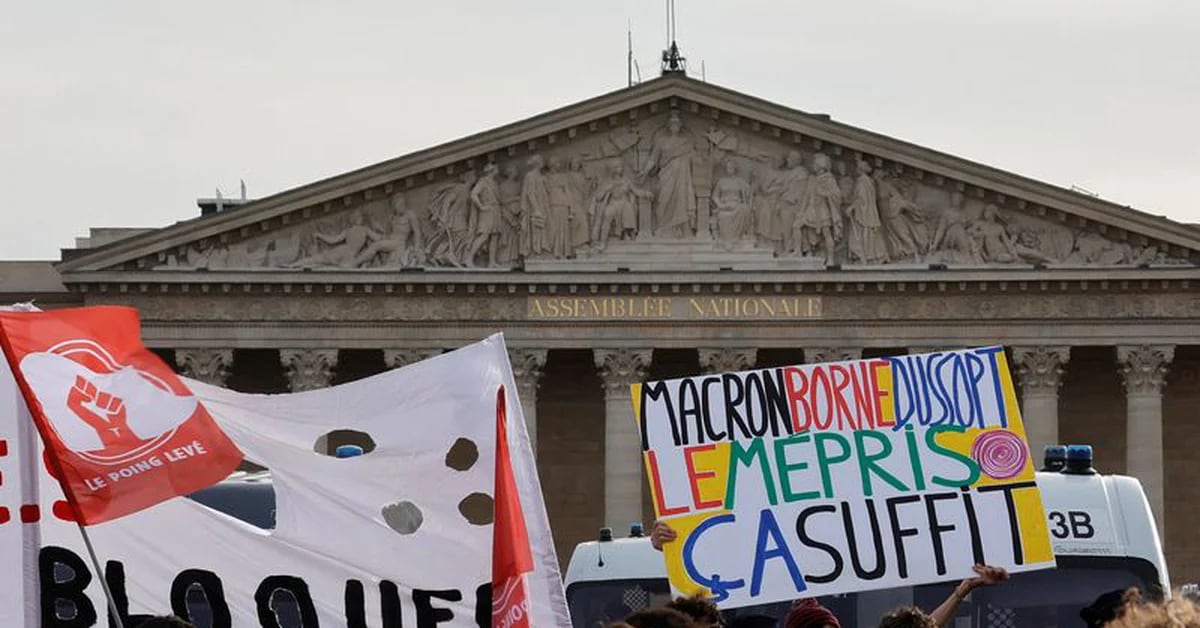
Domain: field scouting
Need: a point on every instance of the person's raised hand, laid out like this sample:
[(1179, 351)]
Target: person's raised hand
[(986, 576), (660, 534)]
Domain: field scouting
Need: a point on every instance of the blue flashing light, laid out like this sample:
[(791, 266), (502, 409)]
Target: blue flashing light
[(348, 451)]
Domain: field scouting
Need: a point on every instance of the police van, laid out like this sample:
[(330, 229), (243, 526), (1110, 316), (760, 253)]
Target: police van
[(1103, 533)]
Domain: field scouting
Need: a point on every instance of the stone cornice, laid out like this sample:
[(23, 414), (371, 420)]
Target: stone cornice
[(341, 191), (1103, 278)]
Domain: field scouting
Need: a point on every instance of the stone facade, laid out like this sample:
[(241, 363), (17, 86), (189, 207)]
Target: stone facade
[(676, 228)]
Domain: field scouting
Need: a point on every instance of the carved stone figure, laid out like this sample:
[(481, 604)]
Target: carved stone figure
[(865, 242), (284, 250), (766, 184), (1094, 249), (510, 215), (535, 210), (818, 226), (450, 212), (950, 237), (485, 217), (1026, 244), (991, 238), (403, 245), (344, 246), (792, 186), (558, 221), (671, 156), (904, 222), (579, 190), (614, 212), (731, 199)]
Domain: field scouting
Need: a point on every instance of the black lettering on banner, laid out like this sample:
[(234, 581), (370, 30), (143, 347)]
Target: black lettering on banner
[(654, 392), (778, 406), (939, 549), (355, 605), (876, 535), (1014, 526), (483, 605), (389, 605), (293, 585), (70, 591), (214, 595), (1081, 524), (898, 533), (735, 393), (427, 615), (802, 532), (973, 527), (114, 575)]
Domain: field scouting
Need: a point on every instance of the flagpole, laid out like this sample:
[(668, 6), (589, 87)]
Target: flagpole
[(52, 458), (112, 602)]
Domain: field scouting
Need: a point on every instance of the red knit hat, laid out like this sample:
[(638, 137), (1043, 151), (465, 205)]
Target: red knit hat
[(808, 613)]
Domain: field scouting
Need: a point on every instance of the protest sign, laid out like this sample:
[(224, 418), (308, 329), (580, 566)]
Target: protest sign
[(395, 537), (821, 479)]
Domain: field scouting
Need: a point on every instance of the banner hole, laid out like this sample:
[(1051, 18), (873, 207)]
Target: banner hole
[(463, 454), (404, 517)]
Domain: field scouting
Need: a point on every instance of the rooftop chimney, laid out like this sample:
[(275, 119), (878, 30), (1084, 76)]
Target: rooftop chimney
[(219, 203)]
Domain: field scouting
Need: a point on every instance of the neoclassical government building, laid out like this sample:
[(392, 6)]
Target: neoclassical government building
[(668, 229)]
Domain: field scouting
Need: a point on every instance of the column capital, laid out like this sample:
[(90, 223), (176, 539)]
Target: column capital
[(397, 358), (1040, 368), (620, 368), (210, 366), (813, 355), (308, 369), (1144, 367), (727, 360), (527, 364)]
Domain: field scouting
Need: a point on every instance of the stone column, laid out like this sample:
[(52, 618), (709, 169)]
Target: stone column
[(527, 367), (1144, 371), (622, 444), (814, 355), (210, 366), (727, 360), (397, 358), (308, 369), (1039, 372)]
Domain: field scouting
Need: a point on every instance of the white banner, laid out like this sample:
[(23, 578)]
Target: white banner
[(354, 539)]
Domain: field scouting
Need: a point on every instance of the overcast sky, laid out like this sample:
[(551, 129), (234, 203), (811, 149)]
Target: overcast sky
[(122, 113)]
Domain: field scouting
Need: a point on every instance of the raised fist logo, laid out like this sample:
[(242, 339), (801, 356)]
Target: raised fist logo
[(107, 412), (104, 413)]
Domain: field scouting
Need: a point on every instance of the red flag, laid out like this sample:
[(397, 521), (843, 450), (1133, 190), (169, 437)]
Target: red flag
[(122, 429), (511, 556)]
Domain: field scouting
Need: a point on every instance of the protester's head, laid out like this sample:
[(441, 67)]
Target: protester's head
[(165, 621), (701, 609), (1107, 607), (907, 617), (808, 613), (660, 618), (1178, 612), (754, 621)]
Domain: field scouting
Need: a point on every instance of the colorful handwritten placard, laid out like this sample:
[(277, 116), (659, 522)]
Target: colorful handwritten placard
[(820, 479)]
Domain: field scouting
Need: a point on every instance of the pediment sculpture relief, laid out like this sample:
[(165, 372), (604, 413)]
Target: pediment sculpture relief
[(672, 178)]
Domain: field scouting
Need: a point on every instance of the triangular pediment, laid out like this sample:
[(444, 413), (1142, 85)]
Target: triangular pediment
[(672, 174)]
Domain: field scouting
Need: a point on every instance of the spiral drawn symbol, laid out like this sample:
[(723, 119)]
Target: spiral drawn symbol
[(1000, 454)]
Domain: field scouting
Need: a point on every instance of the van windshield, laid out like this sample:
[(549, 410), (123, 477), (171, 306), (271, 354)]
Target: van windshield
[(1051, 598)]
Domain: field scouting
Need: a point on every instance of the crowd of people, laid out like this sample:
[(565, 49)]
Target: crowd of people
[(1116, 609), (1121, 610)]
